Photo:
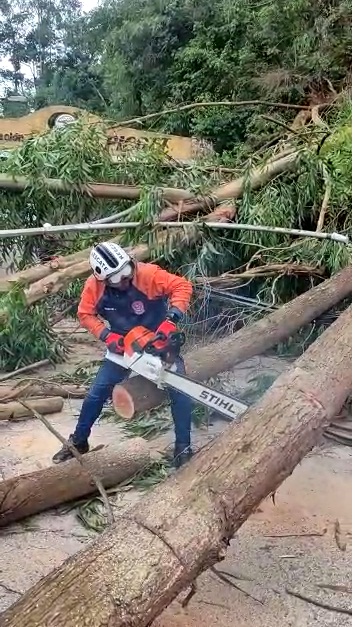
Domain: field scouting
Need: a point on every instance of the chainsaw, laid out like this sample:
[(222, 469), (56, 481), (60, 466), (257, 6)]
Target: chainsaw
[(152, 356)]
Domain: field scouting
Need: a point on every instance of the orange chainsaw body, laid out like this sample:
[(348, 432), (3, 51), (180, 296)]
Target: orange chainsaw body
[(137, 339), (141, 339)]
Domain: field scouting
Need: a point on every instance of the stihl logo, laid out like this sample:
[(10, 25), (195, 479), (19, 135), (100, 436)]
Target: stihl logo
[(216, 400)]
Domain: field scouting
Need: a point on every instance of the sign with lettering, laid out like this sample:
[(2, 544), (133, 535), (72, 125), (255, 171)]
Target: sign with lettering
[(13, 131), (11, 137)]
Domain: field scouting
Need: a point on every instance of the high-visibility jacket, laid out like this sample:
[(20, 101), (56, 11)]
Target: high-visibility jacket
[(152, 293)]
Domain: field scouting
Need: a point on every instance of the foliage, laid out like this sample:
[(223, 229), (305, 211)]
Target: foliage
[(133, 57), (152, 423), (31, 35), (19, 344), (77, 154), (159, 54), (92, 514)]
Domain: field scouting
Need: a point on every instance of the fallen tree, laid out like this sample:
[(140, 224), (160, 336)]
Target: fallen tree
[(155, 550), (37, 491), (29, 389), (16, 411), (93, 190), (256, 178), (76, 265), (137, 394), (54, 283)]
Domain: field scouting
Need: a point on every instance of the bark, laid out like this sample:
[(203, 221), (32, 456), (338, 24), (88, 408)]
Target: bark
[(43, 389), (40, 271), (43, 489), (256, 179), (54, 283), (138, 395), (155, 550), (16, 411), (93, 190)]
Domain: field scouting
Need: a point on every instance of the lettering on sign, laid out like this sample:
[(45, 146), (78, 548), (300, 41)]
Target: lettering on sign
[(121, 142), (11, 137)]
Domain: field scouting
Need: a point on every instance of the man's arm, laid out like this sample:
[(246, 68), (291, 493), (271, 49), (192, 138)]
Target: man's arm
[(176, 288), (87, 309)]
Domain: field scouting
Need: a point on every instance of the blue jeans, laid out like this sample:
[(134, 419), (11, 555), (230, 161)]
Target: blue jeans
[(108, 375)]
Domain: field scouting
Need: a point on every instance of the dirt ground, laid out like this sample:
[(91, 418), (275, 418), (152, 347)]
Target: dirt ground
[(284, 548)]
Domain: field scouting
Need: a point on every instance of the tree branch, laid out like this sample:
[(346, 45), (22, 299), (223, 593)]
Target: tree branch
[(78, 457), (222, 103), (325, 606)]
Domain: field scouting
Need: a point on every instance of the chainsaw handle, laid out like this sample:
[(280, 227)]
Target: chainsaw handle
[(171, 344)]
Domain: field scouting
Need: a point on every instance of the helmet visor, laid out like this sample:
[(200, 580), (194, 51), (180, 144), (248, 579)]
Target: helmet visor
[(125, 273)]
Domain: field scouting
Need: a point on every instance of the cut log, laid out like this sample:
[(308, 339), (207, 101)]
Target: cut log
[(138, 395), (156, 549), (29, 389), (16, 411), (43, 489)]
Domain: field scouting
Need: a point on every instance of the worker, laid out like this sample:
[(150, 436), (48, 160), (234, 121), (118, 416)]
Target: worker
[(125, 294)]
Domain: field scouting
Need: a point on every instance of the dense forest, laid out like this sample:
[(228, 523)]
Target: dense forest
[(133, 57), (272, 83)]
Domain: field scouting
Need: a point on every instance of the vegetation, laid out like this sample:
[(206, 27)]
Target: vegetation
[(128, 59)]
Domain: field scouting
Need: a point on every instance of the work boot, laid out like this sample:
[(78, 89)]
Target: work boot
[(182, 455), (65, 453)]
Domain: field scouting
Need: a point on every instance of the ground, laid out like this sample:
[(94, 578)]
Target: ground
[(286, 546)]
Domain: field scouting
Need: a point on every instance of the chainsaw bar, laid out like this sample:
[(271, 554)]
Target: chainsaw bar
[(152, 368)]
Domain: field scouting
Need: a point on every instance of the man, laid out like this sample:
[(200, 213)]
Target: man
[(126, 294)]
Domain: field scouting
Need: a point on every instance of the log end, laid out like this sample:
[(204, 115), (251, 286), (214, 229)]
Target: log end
[(122, 402)]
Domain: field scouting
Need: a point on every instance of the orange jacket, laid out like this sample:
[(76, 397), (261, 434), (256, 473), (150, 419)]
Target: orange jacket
[(146, 302)]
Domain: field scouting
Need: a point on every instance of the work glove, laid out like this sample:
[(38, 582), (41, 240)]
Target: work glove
[(165, 328), (115, 343)]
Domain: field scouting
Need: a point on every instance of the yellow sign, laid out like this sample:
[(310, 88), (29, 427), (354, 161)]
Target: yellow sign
[(13, 131)]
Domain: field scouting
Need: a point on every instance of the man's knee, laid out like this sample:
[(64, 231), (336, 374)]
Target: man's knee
[(99, 392)]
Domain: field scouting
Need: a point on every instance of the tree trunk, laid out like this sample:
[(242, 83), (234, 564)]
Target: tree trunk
[(154, 551), (57, 281), (93, 190), (40, 271), (43, 489), (137, 394), (43, 389), (256, 179), (16, 411)]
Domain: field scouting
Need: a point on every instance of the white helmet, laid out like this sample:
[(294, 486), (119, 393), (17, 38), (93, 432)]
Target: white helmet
[(108, 259)]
